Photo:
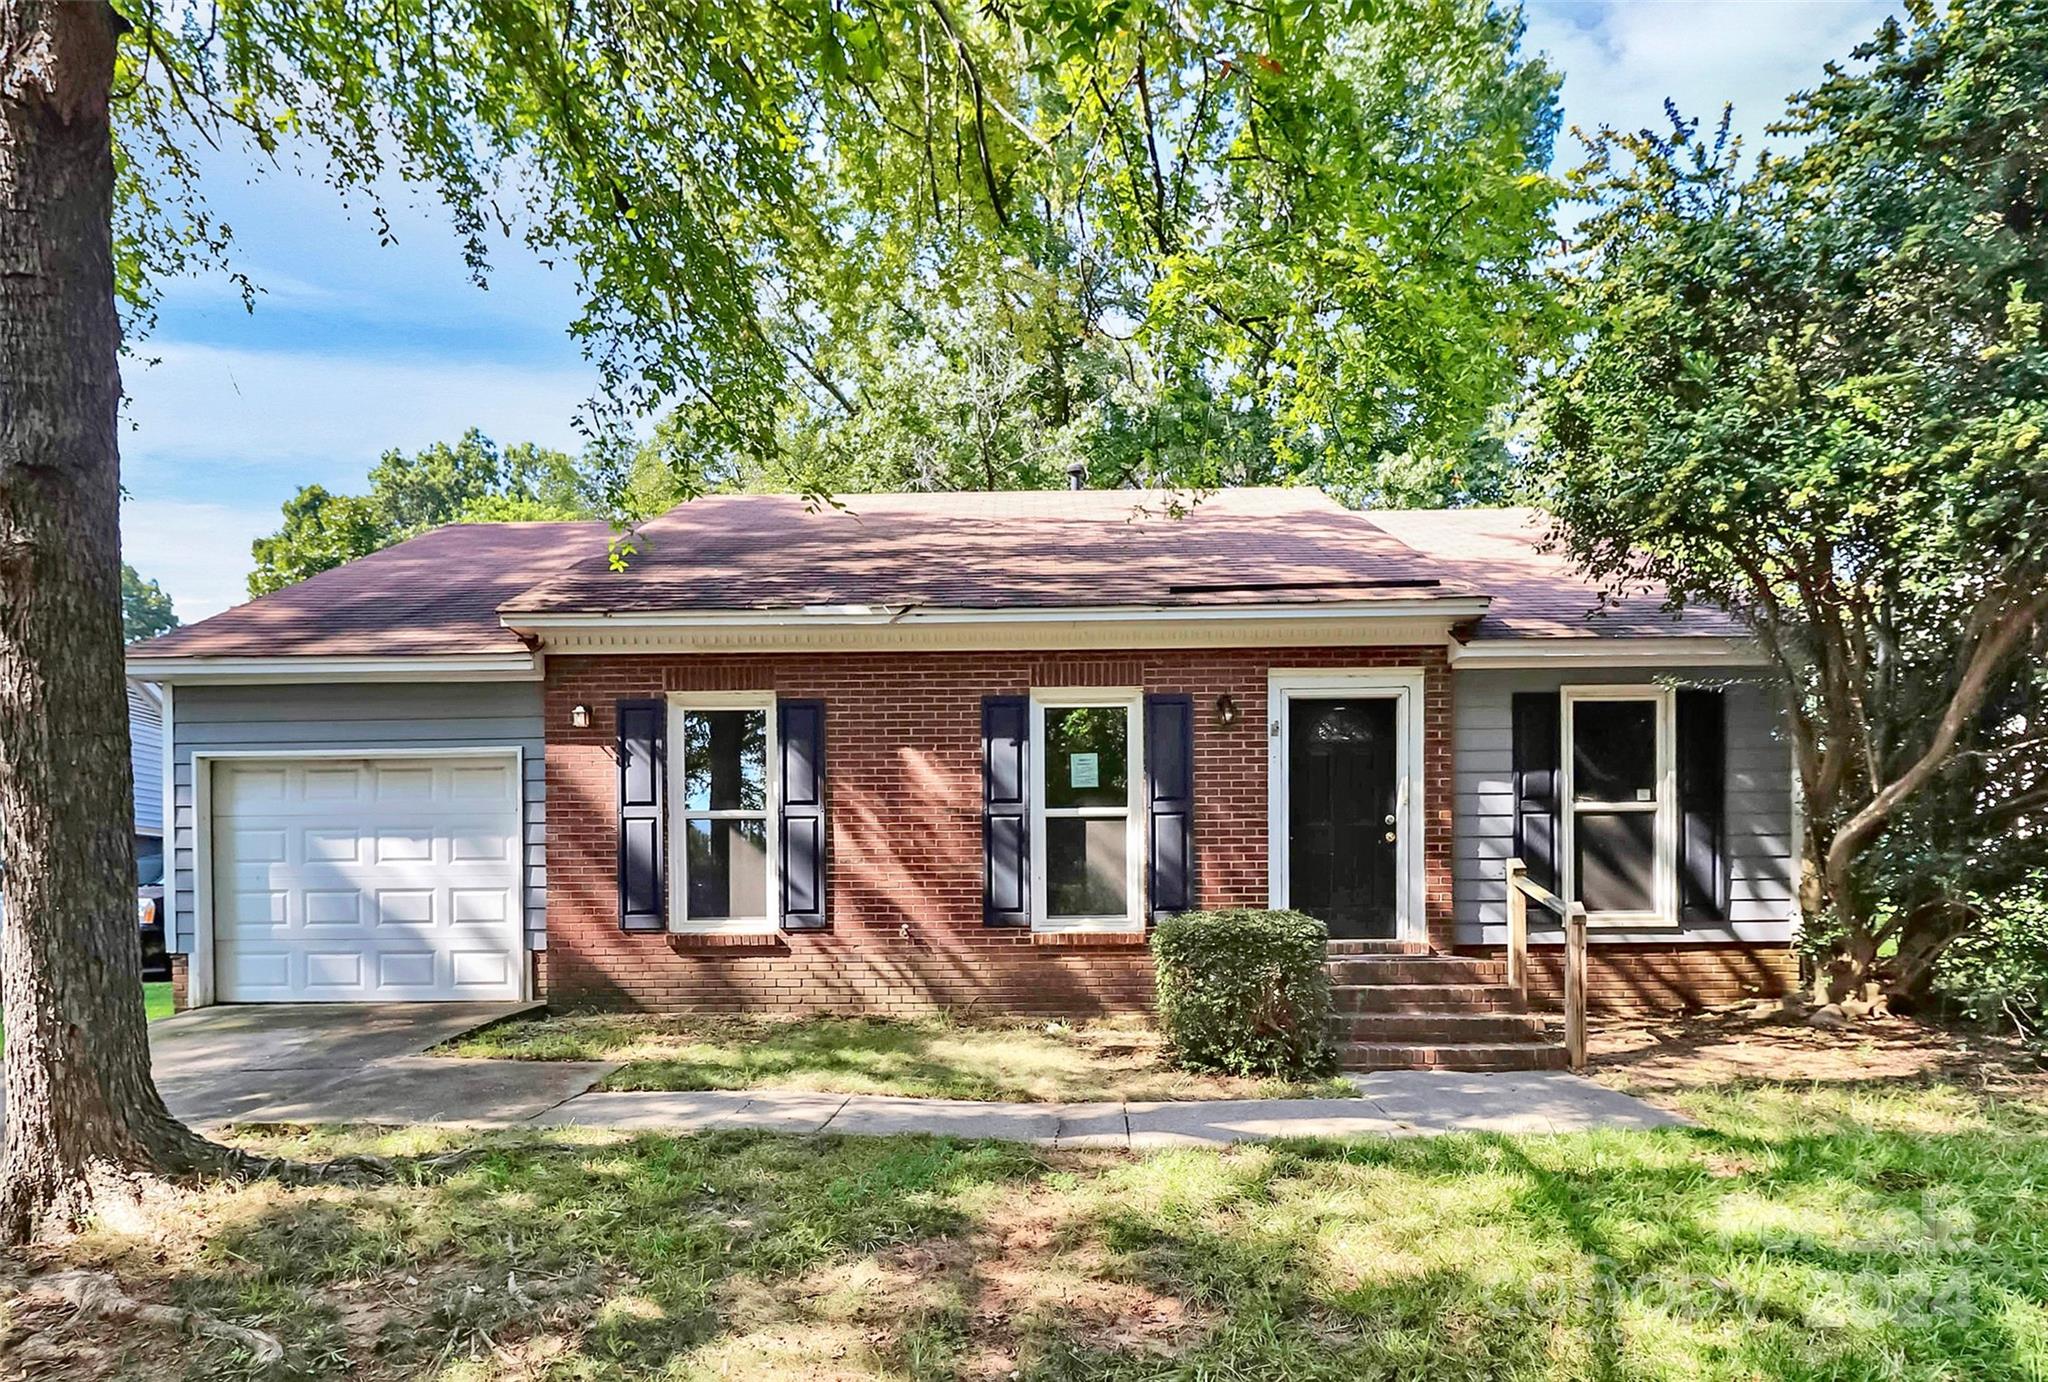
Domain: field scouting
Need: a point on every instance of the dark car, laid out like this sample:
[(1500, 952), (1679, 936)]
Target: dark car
[(149, 906)]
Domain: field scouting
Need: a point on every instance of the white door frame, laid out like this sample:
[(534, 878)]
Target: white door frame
[(1405, 687), (199, 979)]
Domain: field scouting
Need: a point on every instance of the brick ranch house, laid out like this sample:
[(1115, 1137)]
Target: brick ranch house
[(958, 751)]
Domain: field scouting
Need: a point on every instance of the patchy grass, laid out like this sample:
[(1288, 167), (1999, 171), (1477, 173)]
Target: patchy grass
[(933, 1058), (1846, 1232)]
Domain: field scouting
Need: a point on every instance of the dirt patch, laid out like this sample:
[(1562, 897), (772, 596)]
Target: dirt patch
[(1038, 1270), (1766, 1041)]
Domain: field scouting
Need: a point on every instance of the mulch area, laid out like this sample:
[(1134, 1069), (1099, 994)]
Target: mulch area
[(1768, 1041)]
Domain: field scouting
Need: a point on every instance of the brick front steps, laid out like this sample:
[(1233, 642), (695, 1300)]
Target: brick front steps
[(1399, 1006)]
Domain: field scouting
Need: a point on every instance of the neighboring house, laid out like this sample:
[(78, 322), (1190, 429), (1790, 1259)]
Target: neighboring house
[(146, 757), (956, 751)]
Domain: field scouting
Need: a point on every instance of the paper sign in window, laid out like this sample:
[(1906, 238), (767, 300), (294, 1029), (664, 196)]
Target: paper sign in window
[(1084, 770)]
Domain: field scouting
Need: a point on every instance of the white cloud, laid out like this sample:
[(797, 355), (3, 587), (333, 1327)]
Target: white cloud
[(328, 416), (1622, 59), (198, 552), (220, 438)]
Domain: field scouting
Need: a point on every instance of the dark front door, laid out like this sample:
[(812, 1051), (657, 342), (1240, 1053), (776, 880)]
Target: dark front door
[(1341, 788)]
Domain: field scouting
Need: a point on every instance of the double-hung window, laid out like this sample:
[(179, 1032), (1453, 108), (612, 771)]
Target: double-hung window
[(723, 755), (1620, 804), (1087, 838)]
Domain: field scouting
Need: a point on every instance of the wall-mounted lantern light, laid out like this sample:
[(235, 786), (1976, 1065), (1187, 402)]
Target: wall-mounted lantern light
[(1226, 710), (580, 717)]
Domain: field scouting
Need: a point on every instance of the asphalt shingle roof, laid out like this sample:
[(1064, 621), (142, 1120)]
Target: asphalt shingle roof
[(446, 592), (436, 594), (1011, 550), (1538, 593)]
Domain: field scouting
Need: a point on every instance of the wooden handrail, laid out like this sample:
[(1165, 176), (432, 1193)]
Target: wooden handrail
[(1520, 893), (1518, 926), (1575, 987)]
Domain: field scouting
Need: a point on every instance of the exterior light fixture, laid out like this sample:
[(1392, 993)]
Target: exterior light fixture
[(580, 717), (1226, 710)]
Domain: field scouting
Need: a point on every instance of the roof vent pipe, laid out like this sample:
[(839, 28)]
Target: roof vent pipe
[(1077, 475)]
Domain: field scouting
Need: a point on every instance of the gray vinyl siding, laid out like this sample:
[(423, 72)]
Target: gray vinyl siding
[(146, 757), (373, 718), (1761, 899)]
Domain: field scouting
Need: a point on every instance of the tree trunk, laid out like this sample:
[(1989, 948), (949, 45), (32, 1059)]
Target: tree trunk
[(80, 1100)]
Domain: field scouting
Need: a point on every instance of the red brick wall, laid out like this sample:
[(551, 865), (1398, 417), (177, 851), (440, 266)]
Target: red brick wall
[(903, 736), (180, 983), (1663, 978)]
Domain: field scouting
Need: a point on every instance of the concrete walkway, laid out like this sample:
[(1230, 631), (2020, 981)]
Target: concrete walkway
[(1402, 1103), (553, 1094), (365, 1063)]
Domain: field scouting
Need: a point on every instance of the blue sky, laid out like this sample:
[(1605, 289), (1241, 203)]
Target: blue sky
[(356, 347)]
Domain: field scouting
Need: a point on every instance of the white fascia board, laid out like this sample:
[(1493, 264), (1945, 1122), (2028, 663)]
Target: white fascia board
[(1358, 624), (1654, 650), (855, 616), (201, 671)]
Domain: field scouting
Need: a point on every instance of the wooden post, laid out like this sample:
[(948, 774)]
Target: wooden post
[(1518, 929), (1575, 986)]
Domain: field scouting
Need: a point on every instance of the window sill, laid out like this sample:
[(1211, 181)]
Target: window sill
[(1630, 921), (1090, 940), (725, 928), (686, 941)]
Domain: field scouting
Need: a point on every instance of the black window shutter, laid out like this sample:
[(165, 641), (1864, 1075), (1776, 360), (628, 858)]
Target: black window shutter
[(801, 729), (1006, 810), (1702, 807), (1536, 726), (1170, 787), (643, 753)]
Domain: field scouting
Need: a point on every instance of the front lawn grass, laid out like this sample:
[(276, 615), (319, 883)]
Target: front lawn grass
[(931, 1058), (1799, 1232)]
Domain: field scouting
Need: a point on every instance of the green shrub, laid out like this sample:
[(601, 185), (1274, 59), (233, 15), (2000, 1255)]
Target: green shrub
[(1996, 972), (1244, 991)]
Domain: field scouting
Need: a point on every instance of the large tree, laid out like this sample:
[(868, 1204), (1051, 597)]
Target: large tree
[(1815, 390), (1196, 272), (80, 1102), (469, 481), (700, 168), (145, 607)]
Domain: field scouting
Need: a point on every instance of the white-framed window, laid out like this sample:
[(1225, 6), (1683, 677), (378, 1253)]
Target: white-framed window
[(1088, 814), (1620, 804), (723, 798)]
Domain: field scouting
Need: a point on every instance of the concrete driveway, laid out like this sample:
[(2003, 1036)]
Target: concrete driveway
[(259, 1063)]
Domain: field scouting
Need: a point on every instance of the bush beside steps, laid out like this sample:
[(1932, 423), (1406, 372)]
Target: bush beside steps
[(1243, 991)]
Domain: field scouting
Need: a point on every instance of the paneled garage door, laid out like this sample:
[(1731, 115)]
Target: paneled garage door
[(353, 880)]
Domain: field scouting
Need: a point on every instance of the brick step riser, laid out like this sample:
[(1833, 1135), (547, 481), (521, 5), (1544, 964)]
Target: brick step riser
[(1378, 1056), (1419, 970), (1437, 1028), (1339, 949), (1424, 998)]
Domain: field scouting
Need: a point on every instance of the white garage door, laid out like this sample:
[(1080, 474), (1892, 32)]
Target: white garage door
[(353, 880)]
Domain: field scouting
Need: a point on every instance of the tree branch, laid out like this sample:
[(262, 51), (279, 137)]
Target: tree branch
[(1984, 662)]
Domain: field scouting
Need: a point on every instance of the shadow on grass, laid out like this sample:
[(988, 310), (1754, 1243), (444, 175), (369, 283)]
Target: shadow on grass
[(931, 1058), (1767, 1250), (896, 1057)]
